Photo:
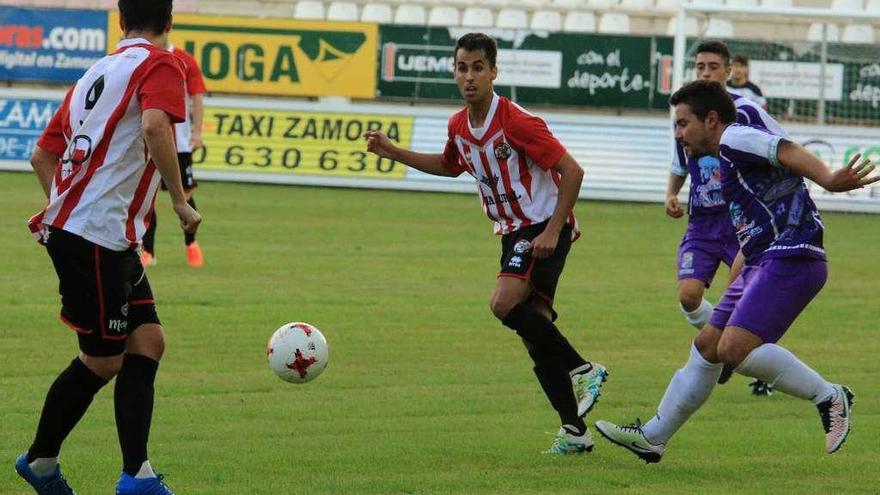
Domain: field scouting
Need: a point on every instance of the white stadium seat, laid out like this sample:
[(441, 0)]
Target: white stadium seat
[(858, 33), (777, 4), (444, 15), (579, 21), (529, 4), (602, 4), (873, 7), (847, 5), (708, 2), (568, 4), (691, 26), (636, 5), (477, 17), (376, 12), (546, 20), (342, 11), (512, 19), (668, 5), (718, 28), (308, 9), (815, 32), (410, 14), (614, 23), (742, 3)]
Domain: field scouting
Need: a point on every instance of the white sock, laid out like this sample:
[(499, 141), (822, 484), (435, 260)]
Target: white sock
[(44, 466), (784, 371), (700, 316), (146, 471), (689, 388)]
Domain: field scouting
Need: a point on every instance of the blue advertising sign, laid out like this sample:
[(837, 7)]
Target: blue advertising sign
[(21, 123), (50, 45)]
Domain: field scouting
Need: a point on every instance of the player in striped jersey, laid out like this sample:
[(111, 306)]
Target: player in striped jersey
[(528, 185), (709, 239), (188, 137), (781, 234), (97, 162)]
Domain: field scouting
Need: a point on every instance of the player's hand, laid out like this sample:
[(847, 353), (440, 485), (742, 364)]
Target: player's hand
[(545, 244), (196, 141), (378, 143), (673, 207), (853, 176), (189, 217)]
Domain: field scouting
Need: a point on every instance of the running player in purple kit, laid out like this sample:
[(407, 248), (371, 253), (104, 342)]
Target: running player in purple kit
[(780, 232), (709, 239)]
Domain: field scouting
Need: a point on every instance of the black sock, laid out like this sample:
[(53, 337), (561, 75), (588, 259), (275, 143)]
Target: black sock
[(133, 400), (557, 387), (540, 332), (67, 401), (150, 235), (187, 237)]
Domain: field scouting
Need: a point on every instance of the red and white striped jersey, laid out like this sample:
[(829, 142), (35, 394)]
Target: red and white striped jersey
[(512, 157), (105, 182)]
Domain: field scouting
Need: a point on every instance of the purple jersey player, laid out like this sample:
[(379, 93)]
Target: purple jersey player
[(709, 239), (780, 232)]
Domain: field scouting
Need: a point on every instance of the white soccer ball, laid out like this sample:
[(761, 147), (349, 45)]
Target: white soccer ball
[(298, 352)]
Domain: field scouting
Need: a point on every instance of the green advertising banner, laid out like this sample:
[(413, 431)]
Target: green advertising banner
[(533, 67)]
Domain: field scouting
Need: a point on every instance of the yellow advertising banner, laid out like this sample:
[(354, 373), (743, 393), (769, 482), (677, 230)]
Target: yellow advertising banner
[(295, 142), (276, 56)]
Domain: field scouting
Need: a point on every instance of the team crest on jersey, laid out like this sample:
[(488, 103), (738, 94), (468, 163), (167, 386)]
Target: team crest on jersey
[(502, 151), (522, 246), (490, 181)]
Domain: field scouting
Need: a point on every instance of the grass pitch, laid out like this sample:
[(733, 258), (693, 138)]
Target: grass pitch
[(425, 392)]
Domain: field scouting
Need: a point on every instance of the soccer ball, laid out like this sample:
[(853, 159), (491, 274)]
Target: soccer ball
[(297, 352)]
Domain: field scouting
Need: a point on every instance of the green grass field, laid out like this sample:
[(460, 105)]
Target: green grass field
[(425, 392)]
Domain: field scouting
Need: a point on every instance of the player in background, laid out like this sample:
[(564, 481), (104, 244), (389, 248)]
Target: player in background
[(781, 233), (709, 239), (739, 83), (97, 162), (188, 136), (528, 184)]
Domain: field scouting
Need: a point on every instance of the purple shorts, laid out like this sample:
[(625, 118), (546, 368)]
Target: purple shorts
[(699, 259), (766, 298)]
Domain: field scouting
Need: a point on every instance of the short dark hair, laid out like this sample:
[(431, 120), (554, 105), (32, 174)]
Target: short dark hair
[(145, 15), (717, 47), (704, 97), (740, 59), (478, 41)]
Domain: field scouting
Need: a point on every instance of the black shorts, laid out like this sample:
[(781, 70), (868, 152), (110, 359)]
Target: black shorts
[(105, 294), (186, 172), (542, 274)]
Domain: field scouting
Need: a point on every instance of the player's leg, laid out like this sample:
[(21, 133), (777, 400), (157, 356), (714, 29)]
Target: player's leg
[(785, 287), (194, 255), (89, 279), (134, 392), (148, 253), (687, 391), (697, 264)]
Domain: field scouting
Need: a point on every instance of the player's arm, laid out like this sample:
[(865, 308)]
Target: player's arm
[(430, 163), (571, 176), (44, 164), (673, 187), (800, 161), (197, 114), (736, 267), (159, 136)]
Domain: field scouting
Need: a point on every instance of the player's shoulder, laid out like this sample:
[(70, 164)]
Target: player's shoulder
[(754, 87), (457, 120), (738, 134)]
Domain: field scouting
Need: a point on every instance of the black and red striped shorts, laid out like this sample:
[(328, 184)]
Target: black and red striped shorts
[(105, 294)]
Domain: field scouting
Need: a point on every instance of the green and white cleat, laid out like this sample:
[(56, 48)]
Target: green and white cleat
[(631, 438), (587, 385), (568, 441)]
